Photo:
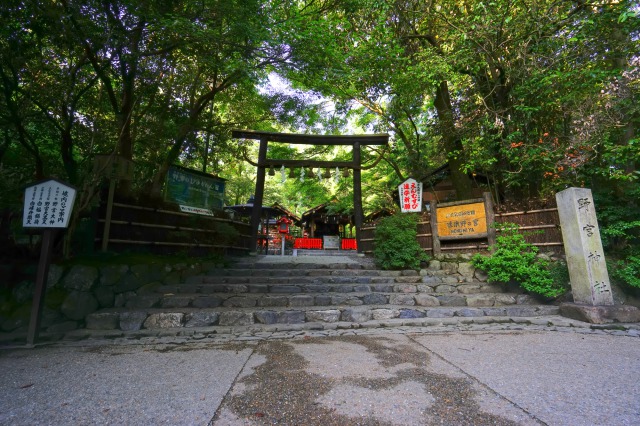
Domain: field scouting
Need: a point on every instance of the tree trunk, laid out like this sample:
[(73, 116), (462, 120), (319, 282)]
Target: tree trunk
[(462, 183), (174, 153), (70, 164)]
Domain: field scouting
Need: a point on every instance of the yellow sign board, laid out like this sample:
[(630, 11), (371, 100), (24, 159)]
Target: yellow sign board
[(464, 221)]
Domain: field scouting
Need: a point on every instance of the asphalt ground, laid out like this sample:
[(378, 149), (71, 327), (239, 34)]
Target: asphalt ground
[(387, 377)]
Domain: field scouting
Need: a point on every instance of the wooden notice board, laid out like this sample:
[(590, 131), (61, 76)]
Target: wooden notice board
[(462, 221), (193, 188)]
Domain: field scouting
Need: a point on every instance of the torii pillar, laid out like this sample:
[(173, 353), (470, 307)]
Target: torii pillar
[(356, 141)]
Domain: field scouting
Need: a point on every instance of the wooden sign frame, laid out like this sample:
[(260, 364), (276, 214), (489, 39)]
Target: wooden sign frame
[(410, 195), (465, 220), (47, 205)]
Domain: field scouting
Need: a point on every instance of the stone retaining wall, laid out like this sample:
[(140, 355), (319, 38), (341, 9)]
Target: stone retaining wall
[(73, 292)]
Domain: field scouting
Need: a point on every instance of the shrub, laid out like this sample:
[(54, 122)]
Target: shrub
[(513, 259), (627, 270), (396, 244), (226, 234), (620, 230)]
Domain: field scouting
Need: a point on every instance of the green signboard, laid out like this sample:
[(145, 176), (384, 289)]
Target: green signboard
[(192, 188)]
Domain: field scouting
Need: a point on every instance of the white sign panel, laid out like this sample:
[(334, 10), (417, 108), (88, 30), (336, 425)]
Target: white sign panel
[(195, 210), (331, 242), (410, 196), (48, 205)]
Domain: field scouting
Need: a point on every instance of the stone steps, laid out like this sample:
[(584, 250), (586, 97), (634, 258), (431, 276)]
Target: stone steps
[(328, 287), (251, 264), (262, 293), (132, 320), (298, 280), (361, 279), (352, 298), (235, 272)]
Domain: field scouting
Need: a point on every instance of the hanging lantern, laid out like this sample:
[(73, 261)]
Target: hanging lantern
[(292, 175), (271, 171), (345, 172), (327, 173), (311, 174)]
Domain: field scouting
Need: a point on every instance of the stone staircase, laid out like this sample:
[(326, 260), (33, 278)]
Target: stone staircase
[(281, 293)]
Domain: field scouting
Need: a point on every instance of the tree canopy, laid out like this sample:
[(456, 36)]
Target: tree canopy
[(534, 96)]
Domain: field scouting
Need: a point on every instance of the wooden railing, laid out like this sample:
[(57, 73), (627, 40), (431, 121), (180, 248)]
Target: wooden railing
[(544, 220), (165, 230)]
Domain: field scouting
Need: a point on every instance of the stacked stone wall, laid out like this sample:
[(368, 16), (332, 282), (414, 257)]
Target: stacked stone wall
[(74, 292)]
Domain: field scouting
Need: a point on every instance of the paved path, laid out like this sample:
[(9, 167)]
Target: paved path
[(376, 377)]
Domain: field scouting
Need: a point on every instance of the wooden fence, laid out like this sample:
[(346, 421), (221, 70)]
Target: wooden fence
[(541, 228), (135, 227), (161, 230)]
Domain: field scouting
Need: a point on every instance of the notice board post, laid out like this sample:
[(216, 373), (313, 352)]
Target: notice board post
[(47, 206), (462, 220), (114, 168)]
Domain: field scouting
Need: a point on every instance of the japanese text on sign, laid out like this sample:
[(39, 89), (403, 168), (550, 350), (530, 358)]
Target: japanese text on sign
[(410, 192), (594, 259), (196, 210), (466, 220), (48, 205), (193, 188)]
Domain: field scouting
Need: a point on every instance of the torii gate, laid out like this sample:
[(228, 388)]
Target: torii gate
[(356, 141)]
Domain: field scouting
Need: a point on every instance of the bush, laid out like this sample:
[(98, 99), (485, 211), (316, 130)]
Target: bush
[(226, 234), (396, 244), (627, 270), (513, 259), (620, 230)]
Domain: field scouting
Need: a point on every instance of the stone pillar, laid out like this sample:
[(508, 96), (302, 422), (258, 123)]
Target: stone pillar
[(590, 283)]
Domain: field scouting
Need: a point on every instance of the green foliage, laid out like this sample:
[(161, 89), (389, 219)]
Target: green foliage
[(513, 259), (568, 118), (627, 270), (560, 274), (396, 244), (618, 217), (12, 183), (620, 229), (226, 234), (162, 82)]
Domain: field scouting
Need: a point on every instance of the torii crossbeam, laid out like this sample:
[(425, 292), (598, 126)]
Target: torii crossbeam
[(356, 141)]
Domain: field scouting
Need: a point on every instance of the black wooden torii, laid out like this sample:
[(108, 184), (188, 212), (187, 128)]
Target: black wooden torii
[(356, 141)]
